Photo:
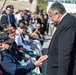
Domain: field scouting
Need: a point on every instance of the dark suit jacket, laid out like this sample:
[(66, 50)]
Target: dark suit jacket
[(12, 20), (12, 66), (62, 49), (4, 19)]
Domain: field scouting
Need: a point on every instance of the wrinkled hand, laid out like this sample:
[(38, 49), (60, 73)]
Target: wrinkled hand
[(27, 56), (43, 58), (38, 63)]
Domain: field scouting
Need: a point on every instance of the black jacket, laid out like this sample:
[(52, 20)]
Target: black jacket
[(62, 49), (5, 21)]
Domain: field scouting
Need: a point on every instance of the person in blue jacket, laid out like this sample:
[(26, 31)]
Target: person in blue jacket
[(10, 60)]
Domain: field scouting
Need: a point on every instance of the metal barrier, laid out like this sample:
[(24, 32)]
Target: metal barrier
[(2, 4)]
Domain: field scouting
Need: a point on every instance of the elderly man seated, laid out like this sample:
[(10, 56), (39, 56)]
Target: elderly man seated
[(21, 40), (10, 58)]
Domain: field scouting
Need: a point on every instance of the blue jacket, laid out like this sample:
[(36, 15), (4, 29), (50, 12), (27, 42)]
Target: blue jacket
[(12, 66)]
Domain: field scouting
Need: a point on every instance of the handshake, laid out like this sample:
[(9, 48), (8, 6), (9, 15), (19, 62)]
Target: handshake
[(40, 60)]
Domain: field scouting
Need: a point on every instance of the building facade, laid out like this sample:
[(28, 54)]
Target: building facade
[(66, 1)]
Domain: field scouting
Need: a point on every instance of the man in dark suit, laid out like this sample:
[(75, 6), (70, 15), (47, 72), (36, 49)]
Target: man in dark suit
[(62, 49), (8, 16)]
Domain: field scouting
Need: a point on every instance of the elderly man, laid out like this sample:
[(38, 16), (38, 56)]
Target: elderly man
[(62, 49), (10, 60), (21, 40)]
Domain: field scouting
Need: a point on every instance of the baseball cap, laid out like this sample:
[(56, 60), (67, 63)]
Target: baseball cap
[(22, 25)]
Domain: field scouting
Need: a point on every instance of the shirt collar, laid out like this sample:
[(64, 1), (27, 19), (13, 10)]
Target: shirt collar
[(17, 32)]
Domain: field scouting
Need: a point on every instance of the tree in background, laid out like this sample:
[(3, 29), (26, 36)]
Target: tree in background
[(42, 4)]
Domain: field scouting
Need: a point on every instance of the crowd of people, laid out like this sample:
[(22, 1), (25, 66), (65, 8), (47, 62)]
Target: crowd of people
[(21, 40), (22, 37)]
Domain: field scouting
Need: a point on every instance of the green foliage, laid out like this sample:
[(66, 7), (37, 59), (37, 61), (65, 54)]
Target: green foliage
[(42, 4)]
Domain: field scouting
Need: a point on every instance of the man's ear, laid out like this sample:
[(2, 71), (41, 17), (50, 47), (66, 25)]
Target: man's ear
[(57, 14)]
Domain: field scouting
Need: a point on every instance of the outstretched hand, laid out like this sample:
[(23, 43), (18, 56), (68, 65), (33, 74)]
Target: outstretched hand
[(43, 58), (38, 63)]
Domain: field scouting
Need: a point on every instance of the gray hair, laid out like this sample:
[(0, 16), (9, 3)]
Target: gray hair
[(57, 7)]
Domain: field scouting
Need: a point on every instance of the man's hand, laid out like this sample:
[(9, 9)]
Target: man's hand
[(38, 63), (42, 58), (27, 56), (36, 31)]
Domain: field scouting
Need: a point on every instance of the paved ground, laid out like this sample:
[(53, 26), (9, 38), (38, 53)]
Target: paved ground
[(21, 4), (45, 51)]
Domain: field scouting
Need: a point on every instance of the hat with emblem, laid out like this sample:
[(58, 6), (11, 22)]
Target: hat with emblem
[(5, 38), (22, 25)]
